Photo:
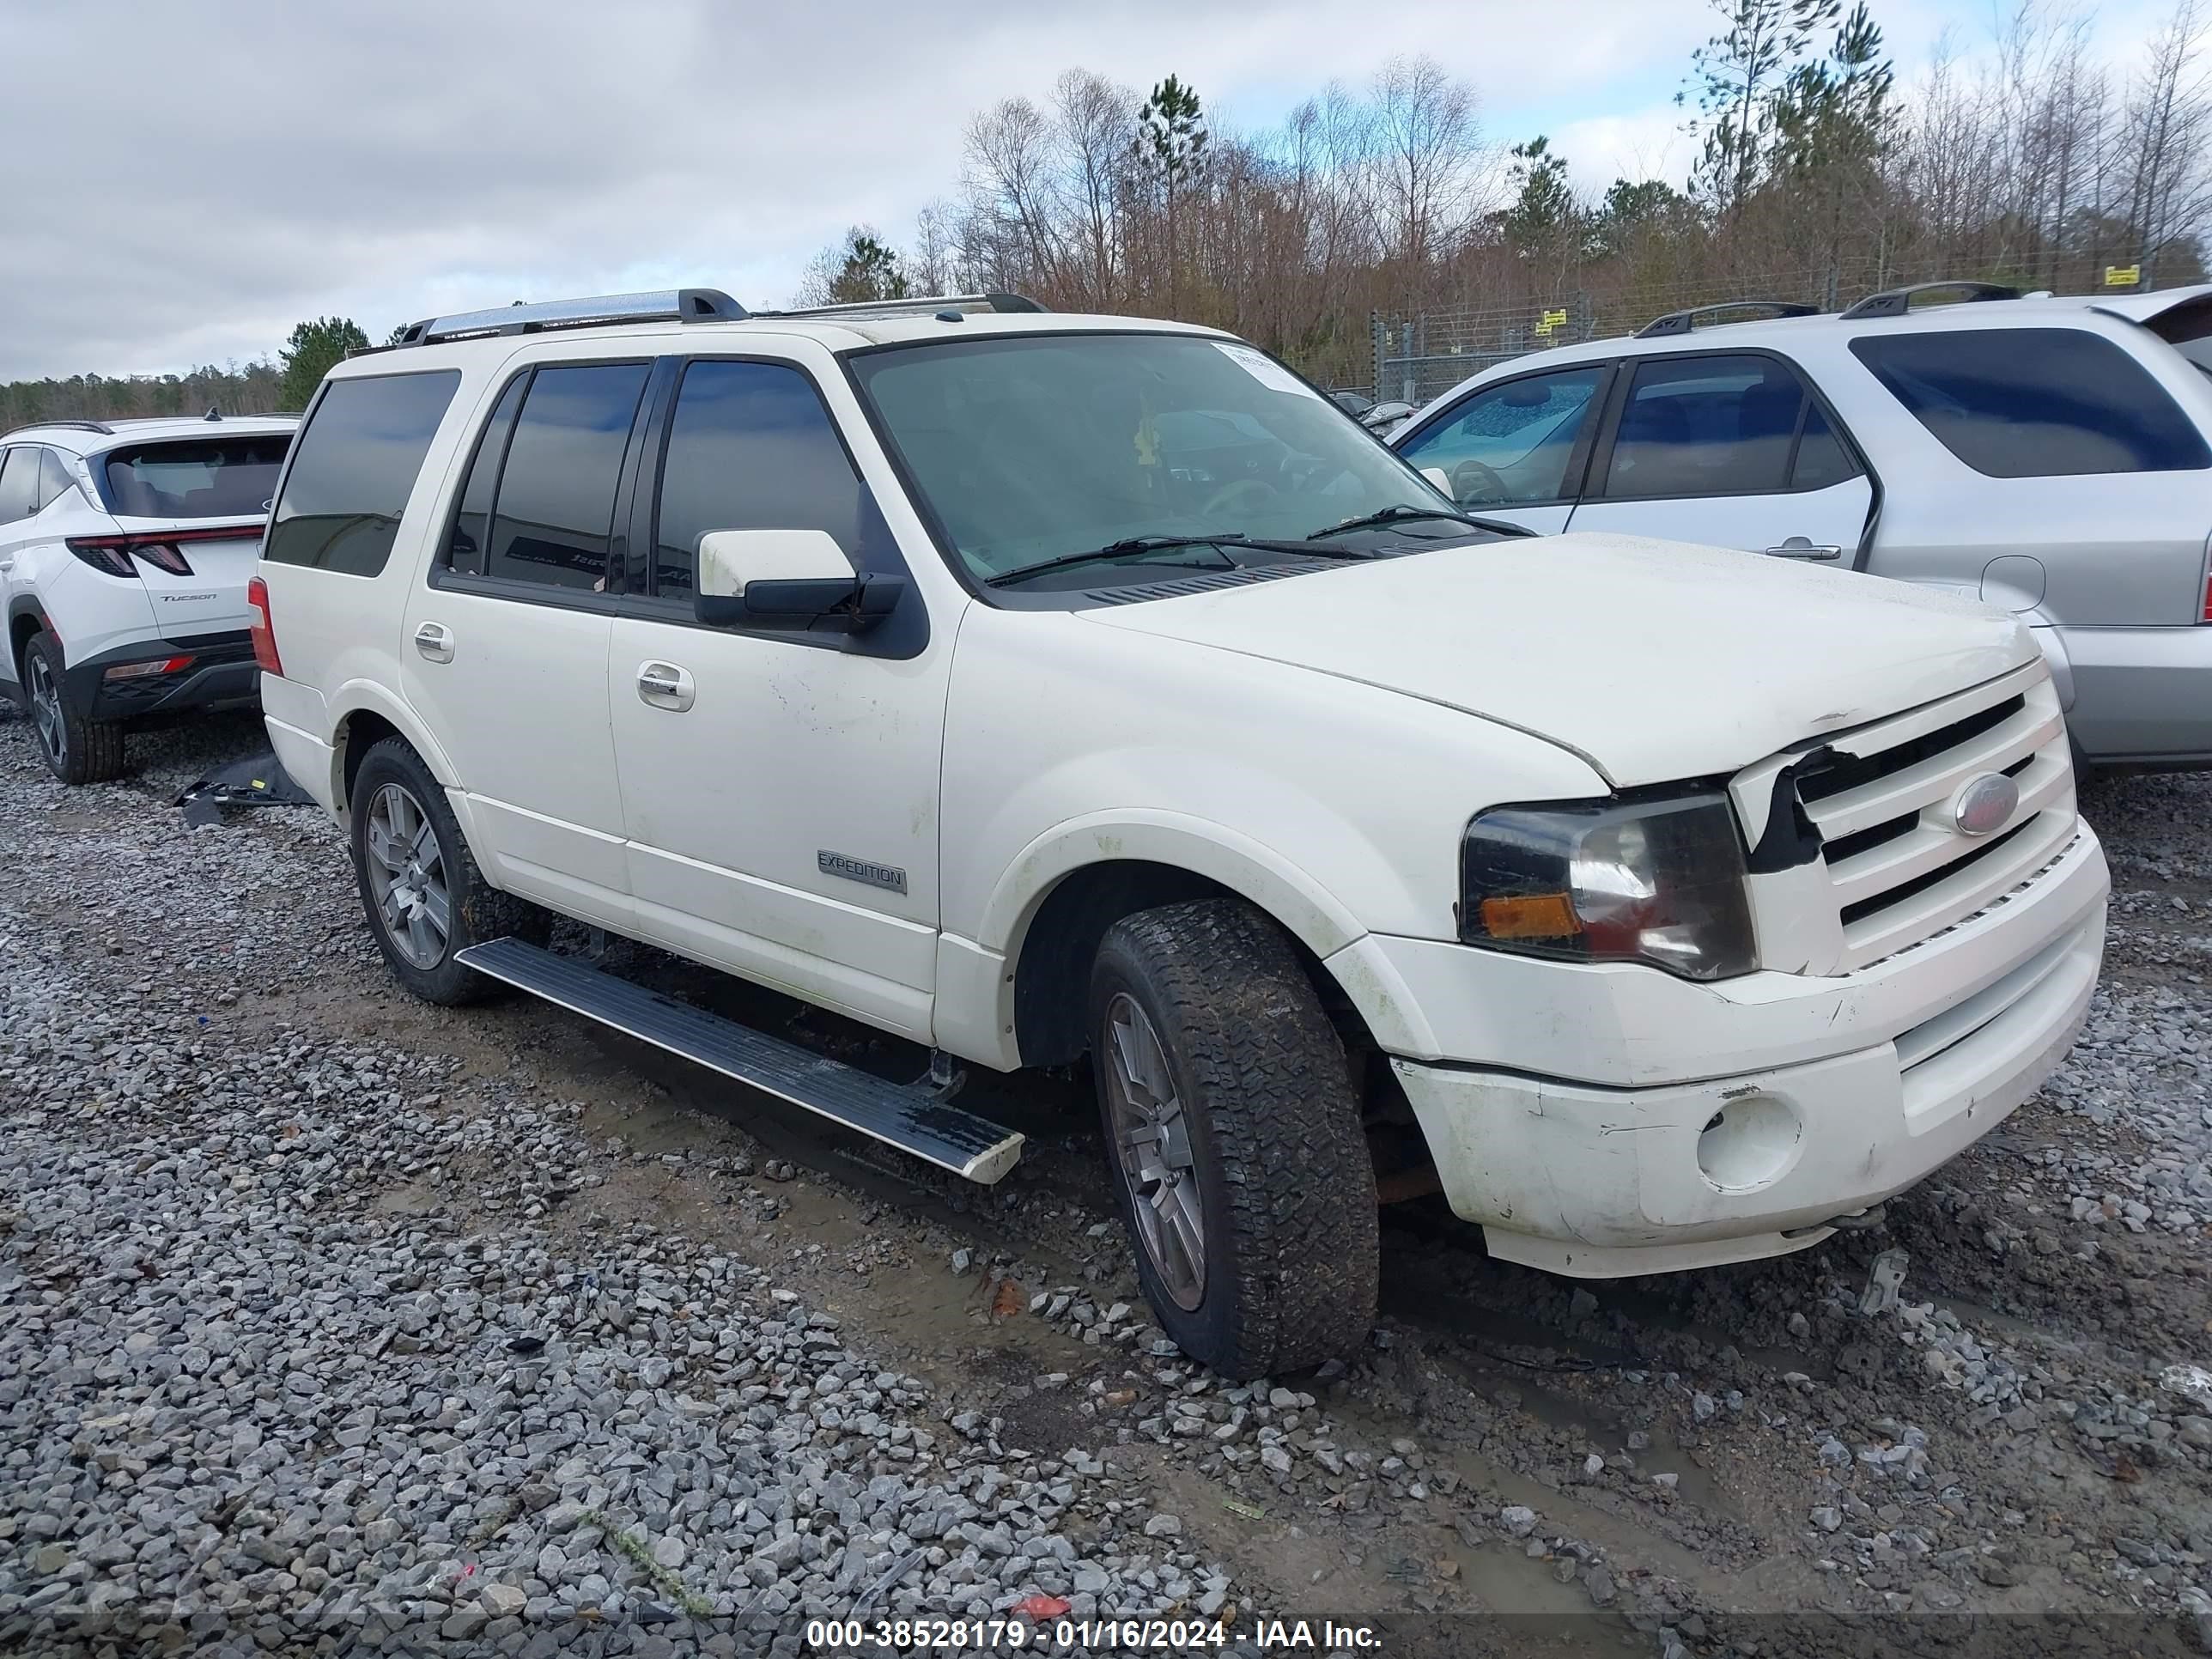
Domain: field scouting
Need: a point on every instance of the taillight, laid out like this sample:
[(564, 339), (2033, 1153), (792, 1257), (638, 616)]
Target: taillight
[(263, 631), (162, 548), (102, 554), (2208, 599)]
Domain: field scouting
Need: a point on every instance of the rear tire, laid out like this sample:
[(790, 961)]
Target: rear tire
[(1233, 1137), (425, 898), (76, 750)]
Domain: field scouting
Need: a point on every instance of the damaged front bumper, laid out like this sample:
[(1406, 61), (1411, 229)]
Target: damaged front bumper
[(1602, 1179)]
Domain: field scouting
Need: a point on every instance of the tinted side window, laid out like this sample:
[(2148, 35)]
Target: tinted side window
[(1706, 426), (2035, 403), (466, 544), (1511, 442), (751, 447), (19, 483), (555, 506), (1821, 458), (54, 479), (353, 467)]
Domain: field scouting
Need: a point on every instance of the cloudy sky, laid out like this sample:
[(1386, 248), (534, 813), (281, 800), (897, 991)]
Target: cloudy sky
[(194, 176)]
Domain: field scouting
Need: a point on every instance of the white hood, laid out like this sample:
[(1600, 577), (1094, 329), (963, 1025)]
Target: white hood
[(1654, 661)]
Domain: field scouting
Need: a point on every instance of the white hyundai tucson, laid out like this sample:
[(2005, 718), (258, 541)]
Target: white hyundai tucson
[(1045, 690), (124, 551)]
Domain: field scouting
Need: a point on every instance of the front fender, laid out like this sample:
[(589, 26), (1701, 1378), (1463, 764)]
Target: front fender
[(1244, 865), (975, 1010)]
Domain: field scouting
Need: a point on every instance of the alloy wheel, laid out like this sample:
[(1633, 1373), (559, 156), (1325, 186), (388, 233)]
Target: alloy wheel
[(1152, 1138), (407, 875), (47, 707)]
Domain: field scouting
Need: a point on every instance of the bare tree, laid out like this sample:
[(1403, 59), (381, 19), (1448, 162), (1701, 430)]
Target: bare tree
[(2169, 118), (1010, 230), (1096, 122), (931, 264), (1427, 139)]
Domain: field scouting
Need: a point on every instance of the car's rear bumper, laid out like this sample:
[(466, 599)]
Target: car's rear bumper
[(196, 673)]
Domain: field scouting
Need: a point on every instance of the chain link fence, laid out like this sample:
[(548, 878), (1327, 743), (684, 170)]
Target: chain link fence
[(1418, 356)]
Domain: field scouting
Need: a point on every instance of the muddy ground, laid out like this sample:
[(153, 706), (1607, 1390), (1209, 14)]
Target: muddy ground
[(1702, 1462)]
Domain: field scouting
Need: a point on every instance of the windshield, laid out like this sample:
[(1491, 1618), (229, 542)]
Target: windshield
[(198, 478), (1031, 447)]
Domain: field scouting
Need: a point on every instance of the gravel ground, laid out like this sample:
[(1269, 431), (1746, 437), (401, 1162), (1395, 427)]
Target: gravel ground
[(334, 1322)]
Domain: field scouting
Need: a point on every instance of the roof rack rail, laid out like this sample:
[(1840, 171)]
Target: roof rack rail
[(920, 304), (1896, 301), (673, 305), (1681, 322), (100, 427)]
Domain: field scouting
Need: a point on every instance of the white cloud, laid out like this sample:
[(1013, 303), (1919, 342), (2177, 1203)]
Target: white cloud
[(1647, 144), (211, 171), (246, 164)]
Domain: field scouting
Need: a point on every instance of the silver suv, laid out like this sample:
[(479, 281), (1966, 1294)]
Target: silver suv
[(2048, 456)]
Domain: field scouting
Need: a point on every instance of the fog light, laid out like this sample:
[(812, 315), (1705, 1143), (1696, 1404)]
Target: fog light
[(1750, 1142)]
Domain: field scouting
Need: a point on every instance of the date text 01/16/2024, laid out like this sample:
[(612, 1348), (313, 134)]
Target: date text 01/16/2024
[(1081, 1635)]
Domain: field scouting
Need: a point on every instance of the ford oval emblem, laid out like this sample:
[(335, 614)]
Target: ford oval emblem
[(1985, 805)]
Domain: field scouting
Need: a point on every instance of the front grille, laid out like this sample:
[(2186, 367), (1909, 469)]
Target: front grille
[(1900, 870), (1921, 883), (1841, 772)]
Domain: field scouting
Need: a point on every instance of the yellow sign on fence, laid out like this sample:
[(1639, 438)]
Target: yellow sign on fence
[(1550, 320), (2123, 276)]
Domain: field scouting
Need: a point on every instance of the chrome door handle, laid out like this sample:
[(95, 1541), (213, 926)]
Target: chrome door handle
[(436, 642), (663, 685), (1798, 548)]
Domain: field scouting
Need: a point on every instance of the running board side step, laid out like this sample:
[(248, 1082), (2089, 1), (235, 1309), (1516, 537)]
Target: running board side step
[(913, 1117)]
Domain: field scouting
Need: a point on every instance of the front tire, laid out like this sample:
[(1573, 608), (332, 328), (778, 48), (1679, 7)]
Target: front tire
[(76, 750), (1233, 1138), (426, 900)]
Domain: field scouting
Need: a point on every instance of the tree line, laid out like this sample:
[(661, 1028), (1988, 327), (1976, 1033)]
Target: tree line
[(261, 387), (1817, 175)]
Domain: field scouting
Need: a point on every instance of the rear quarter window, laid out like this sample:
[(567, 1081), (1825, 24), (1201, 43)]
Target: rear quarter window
[(353, 467), (2035, 403)]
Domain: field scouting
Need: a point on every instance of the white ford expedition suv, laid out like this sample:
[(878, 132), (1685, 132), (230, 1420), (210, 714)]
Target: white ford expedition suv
[(1039, 687)]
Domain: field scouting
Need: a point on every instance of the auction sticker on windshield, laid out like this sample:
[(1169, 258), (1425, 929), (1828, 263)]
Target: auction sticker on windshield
[(1263, 368)]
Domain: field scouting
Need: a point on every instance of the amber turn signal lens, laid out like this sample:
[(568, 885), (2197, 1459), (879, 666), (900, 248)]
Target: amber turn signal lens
[(1536, 915)]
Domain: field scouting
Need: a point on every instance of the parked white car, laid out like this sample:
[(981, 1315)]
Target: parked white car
[(125, 552), (1033, 687), (2048, 456)]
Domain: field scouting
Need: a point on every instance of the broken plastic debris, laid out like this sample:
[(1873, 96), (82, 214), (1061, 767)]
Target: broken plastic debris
[(2191, 1381), (1884, 1275), (258, 781)]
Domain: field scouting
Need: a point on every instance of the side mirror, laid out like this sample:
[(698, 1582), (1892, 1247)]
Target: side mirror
[(1385, 415), (786, 578), (1441, 479)]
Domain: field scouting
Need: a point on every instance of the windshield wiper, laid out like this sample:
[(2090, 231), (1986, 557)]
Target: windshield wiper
[(1132, 546), (1406, 513), (1121, 549)]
